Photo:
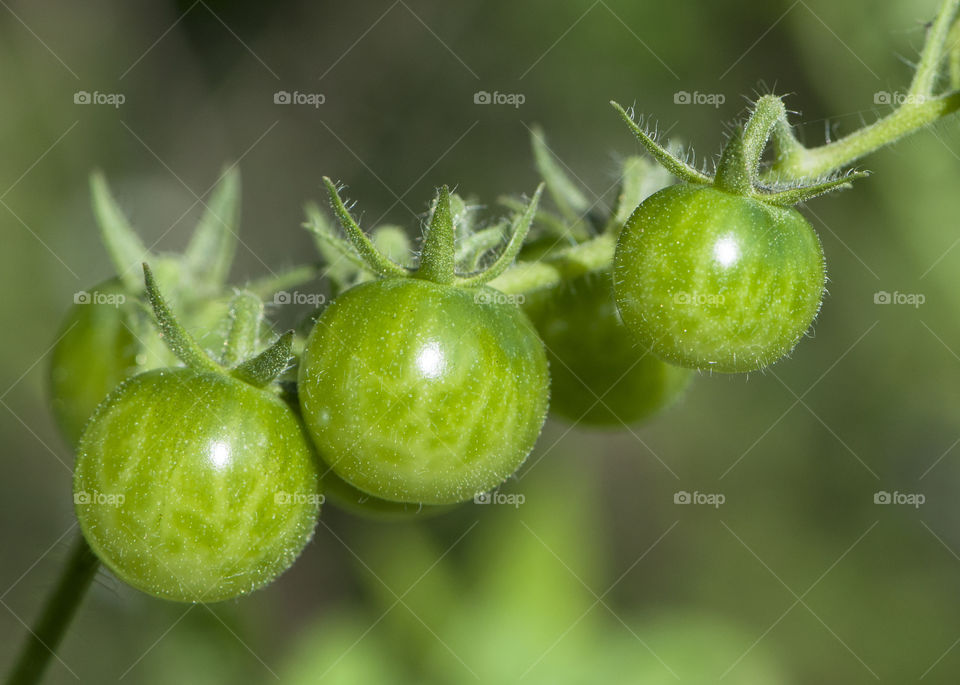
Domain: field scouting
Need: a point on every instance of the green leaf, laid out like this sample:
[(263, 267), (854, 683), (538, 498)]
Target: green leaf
[(375, 261), (471, 250), (641, 179), (174, 335), (214, 242), (246, 315), (675, 166), (393, 242), (266, 366), (124, 246), (573, 204), (521, 227), (342, 262)]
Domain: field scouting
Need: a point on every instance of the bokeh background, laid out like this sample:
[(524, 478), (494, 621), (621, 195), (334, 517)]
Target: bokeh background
[(799, 577)]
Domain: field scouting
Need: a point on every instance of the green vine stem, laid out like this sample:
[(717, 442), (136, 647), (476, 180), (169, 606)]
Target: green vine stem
[(43, 640), (793, 163), (595, 254), (921, 107)]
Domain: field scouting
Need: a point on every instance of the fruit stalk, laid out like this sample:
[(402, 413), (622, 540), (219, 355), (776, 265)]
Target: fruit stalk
[(44, 638)]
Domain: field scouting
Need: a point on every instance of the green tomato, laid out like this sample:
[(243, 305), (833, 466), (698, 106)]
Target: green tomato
[(599, 376), (711, 280), (415, 391), (94, 353), (195, 486), (105, 339)]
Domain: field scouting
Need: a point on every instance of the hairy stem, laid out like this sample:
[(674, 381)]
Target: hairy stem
[(796, 162), (934, 50), (47, 633), (595, 254)]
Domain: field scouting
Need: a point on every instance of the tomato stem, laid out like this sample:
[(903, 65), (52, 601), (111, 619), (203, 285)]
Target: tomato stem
[(798, 162), (595, 254), (934, 48), (920, 107), (437, 258), (733, 172), (45, 636)]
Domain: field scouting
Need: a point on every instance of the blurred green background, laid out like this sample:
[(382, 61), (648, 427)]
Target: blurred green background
[(799, 577)]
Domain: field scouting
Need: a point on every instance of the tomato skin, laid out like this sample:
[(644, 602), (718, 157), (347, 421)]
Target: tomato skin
[(711, 280), (592, 355), (419, 392), (94, 353), (195, 486)]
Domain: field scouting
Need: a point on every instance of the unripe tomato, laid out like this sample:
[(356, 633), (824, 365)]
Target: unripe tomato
[(96, 351), (599, 376), (415, 391), (195, 486), (711, 280), (105, 339)]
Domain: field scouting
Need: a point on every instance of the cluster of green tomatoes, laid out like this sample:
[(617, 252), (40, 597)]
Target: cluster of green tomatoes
[(206, 443)]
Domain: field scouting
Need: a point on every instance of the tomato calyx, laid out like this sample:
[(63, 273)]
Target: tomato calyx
[(238, 360), (452, 251), (738, 170)]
